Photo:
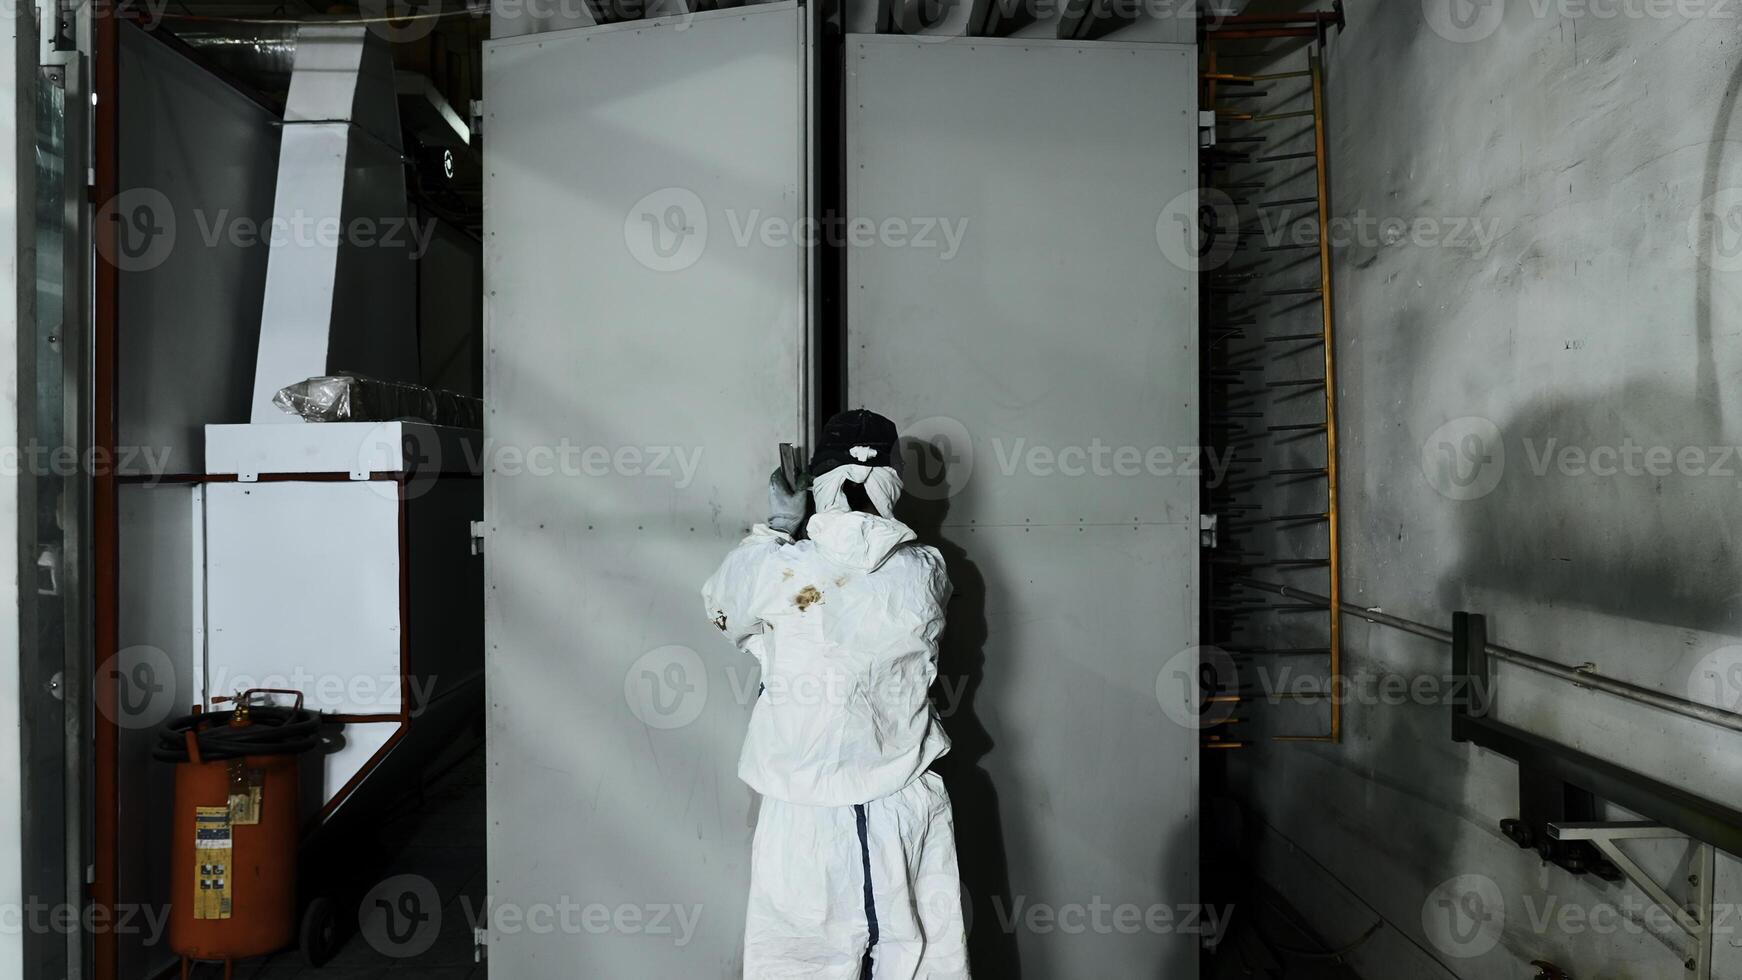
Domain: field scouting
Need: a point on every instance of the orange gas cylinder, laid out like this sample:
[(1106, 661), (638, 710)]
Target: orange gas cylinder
[(233, 855)]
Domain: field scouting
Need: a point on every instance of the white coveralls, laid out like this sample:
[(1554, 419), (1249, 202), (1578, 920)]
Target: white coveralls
[(853, 867)]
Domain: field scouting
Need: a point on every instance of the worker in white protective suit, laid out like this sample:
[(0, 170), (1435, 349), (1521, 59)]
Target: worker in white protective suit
[(853, 867)]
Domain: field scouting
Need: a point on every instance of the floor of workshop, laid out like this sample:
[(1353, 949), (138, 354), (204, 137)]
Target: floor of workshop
[(1267, 939), (441, 838)]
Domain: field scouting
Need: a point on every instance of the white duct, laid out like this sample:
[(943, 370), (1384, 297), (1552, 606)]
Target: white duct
[(340, 283)]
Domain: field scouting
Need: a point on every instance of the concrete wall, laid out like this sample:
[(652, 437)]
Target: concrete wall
[(1567, 279)]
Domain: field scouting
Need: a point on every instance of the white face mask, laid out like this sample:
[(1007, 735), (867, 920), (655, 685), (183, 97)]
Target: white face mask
[(882, 485)]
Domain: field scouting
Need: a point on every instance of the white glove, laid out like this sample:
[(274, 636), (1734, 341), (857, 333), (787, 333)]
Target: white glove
[(786, 506)]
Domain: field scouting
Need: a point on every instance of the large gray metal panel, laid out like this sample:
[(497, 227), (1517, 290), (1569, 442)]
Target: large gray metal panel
[(450, 308), (18, 72), (158, 660), (198, 161), (1057, 324), (642, 364), (1033, 363)]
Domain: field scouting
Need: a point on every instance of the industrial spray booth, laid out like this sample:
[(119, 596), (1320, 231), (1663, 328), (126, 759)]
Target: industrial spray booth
[(264, 551), (649, 304)]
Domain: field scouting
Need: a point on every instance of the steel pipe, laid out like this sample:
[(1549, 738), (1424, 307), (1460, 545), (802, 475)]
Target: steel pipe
[(1629, 692), (105, 499), (1259, 34), (1333, 16), (1252, 79), (1333, 534)]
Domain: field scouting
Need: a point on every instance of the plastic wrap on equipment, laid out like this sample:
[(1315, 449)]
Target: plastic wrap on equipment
[(353, 398)]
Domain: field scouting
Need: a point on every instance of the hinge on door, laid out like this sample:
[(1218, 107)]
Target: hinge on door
[(480, 940), (1207, 526), (477, 537)]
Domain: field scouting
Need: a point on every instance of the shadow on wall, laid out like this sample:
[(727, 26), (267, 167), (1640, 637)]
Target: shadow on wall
[(1623, 503), (980, 843)]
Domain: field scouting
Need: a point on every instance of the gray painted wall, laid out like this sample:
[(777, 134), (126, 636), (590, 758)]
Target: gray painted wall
[(1595, 308)]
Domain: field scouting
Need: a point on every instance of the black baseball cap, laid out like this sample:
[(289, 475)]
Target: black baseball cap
[(857, 437)]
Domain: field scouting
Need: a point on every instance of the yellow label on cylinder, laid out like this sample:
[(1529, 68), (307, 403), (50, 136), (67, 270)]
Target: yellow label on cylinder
[(212, 854)]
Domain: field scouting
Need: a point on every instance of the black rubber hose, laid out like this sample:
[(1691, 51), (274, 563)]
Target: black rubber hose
[(272, 731)]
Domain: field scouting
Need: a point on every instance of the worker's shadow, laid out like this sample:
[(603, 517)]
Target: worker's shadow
[(980, 847)]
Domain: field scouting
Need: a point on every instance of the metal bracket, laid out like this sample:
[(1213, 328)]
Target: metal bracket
[(1206, 127), (1697, 921), (1687, 812), (1544, 800), (477, 537)]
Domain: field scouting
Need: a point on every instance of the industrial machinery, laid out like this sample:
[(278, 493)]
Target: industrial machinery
[(334, 560), (339, 562)]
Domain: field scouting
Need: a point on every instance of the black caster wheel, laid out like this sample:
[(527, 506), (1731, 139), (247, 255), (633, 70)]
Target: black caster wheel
[(319, 938)]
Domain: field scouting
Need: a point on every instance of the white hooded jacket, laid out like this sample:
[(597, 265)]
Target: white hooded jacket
[(845, 626)]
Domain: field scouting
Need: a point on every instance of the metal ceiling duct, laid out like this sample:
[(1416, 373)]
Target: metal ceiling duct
[(258, 54)]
